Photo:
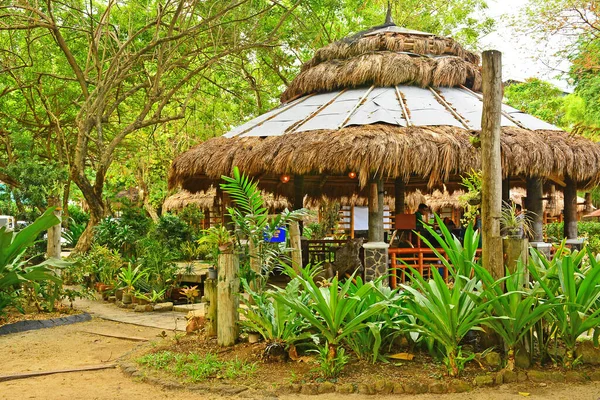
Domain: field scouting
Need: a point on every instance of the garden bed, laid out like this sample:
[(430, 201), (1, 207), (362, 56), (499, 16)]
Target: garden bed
[(14, 322), (207, 367)]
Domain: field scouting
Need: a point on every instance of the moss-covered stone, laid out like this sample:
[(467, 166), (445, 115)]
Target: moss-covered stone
[(493, 360), (415, 388), (398, 388), (326, 387), (483, 380), (438, 387), (458, 386), (588, 352), (384, 386), (364, 388), (574, 377), (310, 389), (346, 388)]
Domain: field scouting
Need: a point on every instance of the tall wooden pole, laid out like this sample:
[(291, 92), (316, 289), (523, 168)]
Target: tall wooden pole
[(570, 212), (399, 196), (491, 166), (299, 196), (54, 234), (376, 210), (228, 287)]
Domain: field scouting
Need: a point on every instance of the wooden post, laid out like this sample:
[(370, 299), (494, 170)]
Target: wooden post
[(210, 290), (255, 264), (54, 234), (227, 298), (399, 195), (506, 190), (296, 244), (535, 208), (491, 166), (299, 196), (570, 211), (588, 204), (516, 249), (376, 210)]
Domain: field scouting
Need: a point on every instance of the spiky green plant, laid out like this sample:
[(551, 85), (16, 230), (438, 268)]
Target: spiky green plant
[(573, 286)]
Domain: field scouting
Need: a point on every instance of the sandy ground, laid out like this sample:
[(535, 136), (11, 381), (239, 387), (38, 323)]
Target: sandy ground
[(70, 346)]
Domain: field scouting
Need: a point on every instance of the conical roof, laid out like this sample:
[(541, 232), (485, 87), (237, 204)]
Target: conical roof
[(387, 102)]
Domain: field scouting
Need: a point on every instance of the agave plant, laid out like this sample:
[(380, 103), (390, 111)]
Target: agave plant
[(331, 309), (574, 288), (383, 327), (129, 276), (521, 309), (278, 324), (445, 312)]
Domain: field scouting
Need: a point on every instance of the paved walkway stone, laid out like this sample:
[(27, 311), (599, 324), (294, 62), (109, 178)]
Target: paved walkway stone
[(190, 307), (168, 320)]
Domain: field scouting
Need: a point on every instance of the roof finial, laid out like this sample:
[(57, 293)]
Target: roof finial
[(388, 16)]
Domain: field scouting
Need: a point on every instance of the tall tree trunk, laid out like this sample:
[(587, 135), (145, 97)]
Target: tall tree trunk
[(96, 207), (54, 234)]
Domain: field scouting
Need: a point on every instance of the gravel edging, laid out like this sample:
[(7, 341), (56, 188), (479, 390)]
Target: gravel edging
[(377, 387), (23, 326)]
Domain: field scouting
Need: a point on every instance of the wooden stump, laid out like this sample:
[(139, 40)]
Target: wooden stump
[(296, 243), (227, 297), (210, 291), (516, 249)]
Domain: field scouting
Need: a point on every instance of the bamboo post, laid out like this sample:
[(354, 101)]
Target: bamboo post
[(299, 196), (210, 289), (588, 204), (255, 264), (570, 212), (491, 167), (399, 194), (296, 244), (227, 298), (376, 211)]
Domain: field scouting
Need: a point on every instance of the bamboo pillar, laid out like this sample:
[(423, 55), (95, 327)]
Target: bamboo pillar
[(376, 210), (227, 298), (54, 234), (570, 212), (399, 196), (210, 291), (491, 199), (296, 244), (535, 208)]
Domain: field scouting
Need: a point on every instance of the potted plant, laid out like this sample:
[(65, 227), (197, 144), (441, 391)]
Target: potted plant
[(128, 277), (514, 223), (220, 240), (191, 293)]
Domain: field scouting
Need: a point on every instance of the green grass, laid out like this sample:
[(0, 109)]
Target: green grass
[(197, 368)]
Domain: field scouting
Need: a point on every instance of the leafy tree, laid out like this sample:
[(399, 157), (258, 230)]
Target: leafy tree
[(538, 98)]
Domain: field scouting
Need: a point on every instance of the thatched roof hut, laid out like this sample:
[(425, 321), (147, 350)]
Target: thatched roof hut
[(387, 103), (209, 199)]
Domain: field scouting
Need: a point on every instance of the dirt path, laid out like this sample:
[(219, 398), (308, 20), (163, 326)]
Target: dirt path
[(70, 346)]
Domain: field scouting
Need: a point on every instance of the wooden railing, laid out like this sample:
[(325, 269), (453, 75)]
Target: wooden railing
[(422, 259), (322, 251)]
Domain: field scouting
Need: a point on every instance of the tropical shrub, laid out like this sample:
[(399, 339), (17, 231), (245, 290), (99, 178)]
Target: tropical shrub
[(572, 284), (588, 229), (277, 323), (447, 312), (520, 308), (171, 231), (331, 310), (15, 272), (73, 232)]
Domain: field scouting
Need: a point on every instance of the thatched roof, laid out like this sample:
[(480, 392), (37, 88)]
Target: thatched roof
[(388, 103), (430, 153), (208, 199)]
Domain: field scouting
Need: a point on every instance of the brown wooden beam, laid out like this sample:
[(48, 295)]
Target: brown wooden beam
[(570, 211)]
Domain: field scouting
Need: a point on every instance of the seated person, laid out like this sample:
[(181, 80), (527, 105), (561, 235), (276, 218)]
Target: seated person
[(449, 223), (422, 216)]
